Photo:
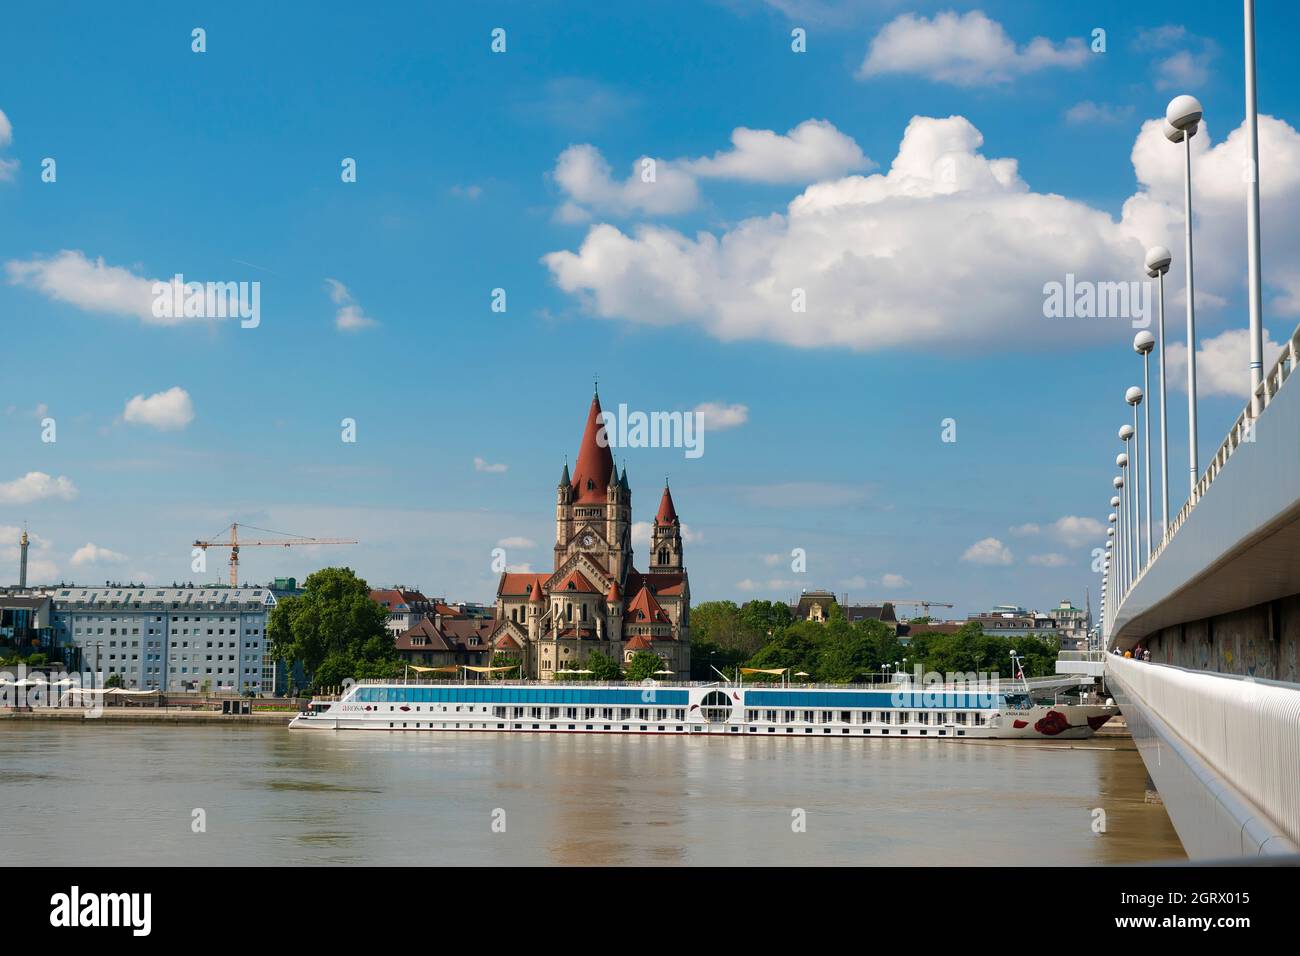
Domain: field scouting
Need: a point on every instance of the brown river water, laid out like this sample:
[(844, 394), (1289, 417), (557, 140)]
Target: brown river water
[(135, 794)]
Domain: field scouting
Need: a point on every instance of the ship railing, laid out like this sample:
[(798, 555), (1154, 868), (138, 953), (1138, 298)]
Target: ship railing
[(1241, 432), (747, 685)]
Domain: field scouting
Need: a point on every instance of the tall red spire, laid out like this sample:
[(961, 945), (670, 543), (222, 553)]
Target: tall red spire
[(667, 513), (595, 466)]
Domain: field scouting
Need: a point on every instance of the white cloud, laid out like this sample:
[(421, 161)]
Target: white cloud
[(772, 560), (1183, 70), (517, 542), (350, 317), (8, 167), (812, 151), (68, 276), (36, 486), (585, 177), (988, 551), (1222, 364), (1075, 531), (90, 553), (470, 192), (894, 581), (717, 416), (964, 49), (1024, 530), (167, 411), (1048, 560), (482, 464), (984, 241)]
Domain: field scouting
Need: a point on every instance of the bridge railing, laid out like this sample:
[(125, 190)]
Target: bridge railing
[(1241, 432), (1245, 731)]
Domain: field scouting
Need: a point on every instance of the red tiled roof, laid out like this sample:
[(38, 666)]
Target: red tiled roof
[(595, 463), (577, 581), (612, 595), (506, 642), (639, 643), (645, 609), (660, 582), (519, 583), (535, 595)]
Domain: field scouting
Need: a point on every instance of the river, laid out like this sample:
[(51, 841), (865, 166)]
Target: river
[(87, 793)]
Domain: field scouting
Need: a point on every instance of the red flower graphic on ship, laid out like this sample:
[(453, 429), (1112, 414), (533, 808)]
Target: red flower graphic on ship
[(1053, 724)]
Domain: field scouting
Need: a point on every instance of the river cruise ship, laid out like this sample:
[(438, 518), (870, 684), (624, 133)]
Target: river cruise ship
[(898, 710)]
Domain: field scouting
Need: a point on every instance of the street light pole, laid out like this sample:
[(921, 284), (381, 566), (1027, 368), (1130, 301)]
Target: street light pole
[(1122, 533), (1182, 118), (1143, 343), (1134, 397), (1254, 284), (1158, 259)]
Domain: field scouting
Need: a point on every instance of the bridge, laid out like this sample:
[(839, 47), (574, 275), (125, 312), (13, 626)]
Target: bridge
[(1215, 712)]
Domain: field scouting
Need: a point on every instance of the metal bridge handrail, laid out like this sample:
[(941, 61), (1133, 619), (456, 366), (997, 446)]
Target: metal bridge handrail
[(1242, 430), (1245, 731)]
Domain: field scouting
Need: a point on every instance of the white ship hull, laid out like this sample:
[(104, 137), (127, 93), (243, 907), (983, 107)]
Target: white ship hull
[(709, 709)]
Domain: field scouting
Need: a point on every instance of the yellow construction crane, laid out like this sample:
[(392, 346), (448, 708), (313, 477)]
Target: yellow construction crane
[(234, 544)]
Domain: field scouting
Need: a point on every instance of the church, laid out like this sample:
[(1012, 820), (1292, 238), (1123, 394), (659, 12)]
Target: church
[(596, 599)]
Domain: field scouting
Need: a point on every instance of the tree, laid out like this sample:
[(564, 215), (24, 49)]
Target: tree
[(114, 680), (333, 630), (506, 659), (604, 667), (643, 665)]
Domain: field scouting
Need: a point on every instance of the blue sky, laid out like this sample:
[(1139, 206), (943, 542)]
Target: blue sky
[(479, 170)]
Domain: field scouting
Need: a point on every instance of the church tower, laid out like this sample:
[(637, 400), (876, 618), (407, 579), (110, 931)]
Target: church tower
[(593, 512), (666, 536)]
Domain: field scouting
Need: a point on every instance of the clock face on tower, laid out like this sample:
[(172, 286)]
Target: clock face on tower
[(588, 541)]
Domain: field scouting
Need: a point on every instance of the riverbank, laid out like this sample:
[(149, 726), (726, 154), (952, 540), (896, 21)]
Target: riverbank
[(150, 715)]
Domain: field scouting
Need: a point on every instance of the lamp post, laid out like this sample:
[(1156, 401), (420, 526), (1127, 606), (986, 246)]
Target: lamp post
[(1157, 261), (1115, 504), (1143, 343), (1252, 218), (1182, 118), (1134, 397), (1130, 513), (1110, 532), (1118, 482), (1110, 550)]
